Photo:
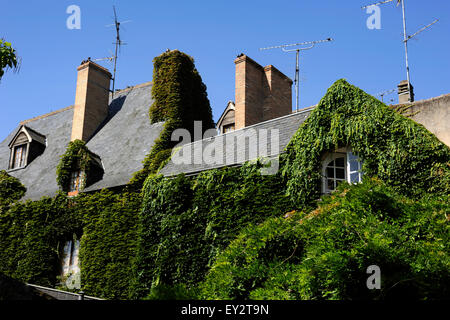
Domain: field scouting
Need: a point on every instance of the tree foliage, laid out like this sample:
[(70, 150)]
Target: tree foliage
[(8, 57)]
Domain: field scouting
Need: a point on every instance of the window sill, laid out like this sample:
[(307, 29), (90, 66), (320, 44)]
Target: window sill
[(73, 193), (16, 169)]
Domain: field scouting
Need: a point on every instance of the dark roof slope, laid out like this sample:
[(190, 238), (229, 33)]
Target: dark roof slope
[(237, 153), (122, 142), (126, 137)]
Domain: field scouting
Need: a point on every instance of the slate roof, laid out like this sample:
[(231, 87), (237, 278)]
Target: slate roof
[(122, 142), (237, 153)]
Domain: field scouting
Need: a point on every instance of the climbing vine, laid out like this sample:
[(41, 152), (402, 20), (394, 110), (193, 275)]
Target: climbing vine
[(180, 98), (394, 148), (76, 157)]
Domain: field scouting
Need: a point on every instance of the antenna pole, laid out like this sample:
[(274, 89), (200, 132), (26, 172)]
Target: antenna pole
[(310, 44), (405, 41), (296, 80), (115, 54)]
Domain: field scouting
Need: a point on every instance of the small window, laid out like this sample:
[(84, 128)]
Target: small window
[(20, 153), (76, 180), (228, 128), (355, 173), (335, 173), (342, 166)]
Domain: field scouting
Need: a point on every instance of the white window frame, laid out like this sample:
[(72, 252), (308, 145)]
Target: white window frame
[(349, 172)]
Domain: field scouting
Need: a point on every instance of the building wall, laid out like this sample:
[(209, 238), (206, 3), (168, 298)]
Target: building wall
[(434, 114)]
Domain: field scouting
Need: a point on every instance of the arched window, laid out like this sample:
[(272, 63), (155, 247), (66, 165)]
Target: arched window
[(341, 166)]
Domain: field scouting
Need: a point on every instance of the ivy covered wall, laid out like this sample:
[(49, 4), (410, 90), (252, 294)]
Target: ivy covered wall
[(180, 98), (186, 221), (173, 232), (394, 148), (32, 233)]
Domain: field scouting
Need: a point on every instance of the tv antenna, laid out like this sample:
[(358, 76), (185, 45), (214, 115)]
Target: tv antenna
[(117, 44), (406, 38), (303, 46), (384, 93)]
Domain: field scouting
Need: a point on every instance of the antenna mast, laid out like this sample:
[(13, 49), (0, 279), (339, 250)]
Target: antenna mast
[(406, 38), (118, 44), (387, 92), (309, 45)]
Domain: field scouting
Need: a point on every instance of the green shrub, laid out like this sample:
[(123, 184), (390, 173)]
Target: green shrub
[(324, 253)]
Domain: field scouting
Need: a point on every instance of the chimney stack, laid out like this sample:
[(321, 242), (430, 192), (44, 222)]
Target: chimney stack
[(404, 96), (262, 93), (91, 99)]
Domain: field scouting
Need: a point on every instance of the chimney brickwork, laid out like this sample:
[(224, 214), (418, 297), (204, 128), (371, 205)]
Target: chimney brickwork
[(91, 99), (262, 93)]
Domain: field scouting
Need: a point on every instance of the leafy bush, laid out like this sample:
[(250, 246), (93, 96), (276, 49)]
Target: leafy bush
[(324, 253)]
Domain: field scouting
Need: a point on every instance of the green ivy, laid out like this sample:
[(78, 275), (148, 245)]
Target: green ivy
[(10, 188), (180, 98), (32, 234), (394, 148), (76, 157), (185, 222)]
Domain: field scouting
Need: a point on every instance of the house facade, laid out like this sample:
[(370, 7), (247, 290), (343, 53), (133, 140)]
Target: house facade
[(259, 123)]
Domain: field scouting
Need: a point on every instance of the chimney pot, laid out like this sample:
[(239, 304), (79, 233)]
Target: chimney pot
[(404, 96)]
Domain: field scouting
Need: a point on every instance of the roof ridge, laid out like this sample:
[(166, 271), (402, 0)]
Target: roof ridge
[(144, 84), (45, 115)]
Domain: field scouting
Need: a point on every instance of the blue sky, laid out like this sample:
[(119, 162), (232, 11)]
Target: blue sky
[(214, 33)]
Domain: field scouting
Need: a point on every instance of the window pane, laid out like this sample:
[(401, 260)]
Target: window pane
[(330, 184), (354, 177), (352, 157), (354, 165), (340, 162), (330, 172), (340, 173)]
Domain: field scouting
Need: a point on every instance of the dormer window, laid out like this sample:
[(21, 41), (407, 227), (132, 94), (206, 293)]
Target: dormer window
[(339, 166), (26, 145), (19, 156), (76, 182), (226, 121)]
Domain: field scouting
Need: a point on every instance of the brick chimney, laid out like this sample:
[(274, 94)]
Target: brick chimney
[(262, 93), (91, 99), (404, 96)]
